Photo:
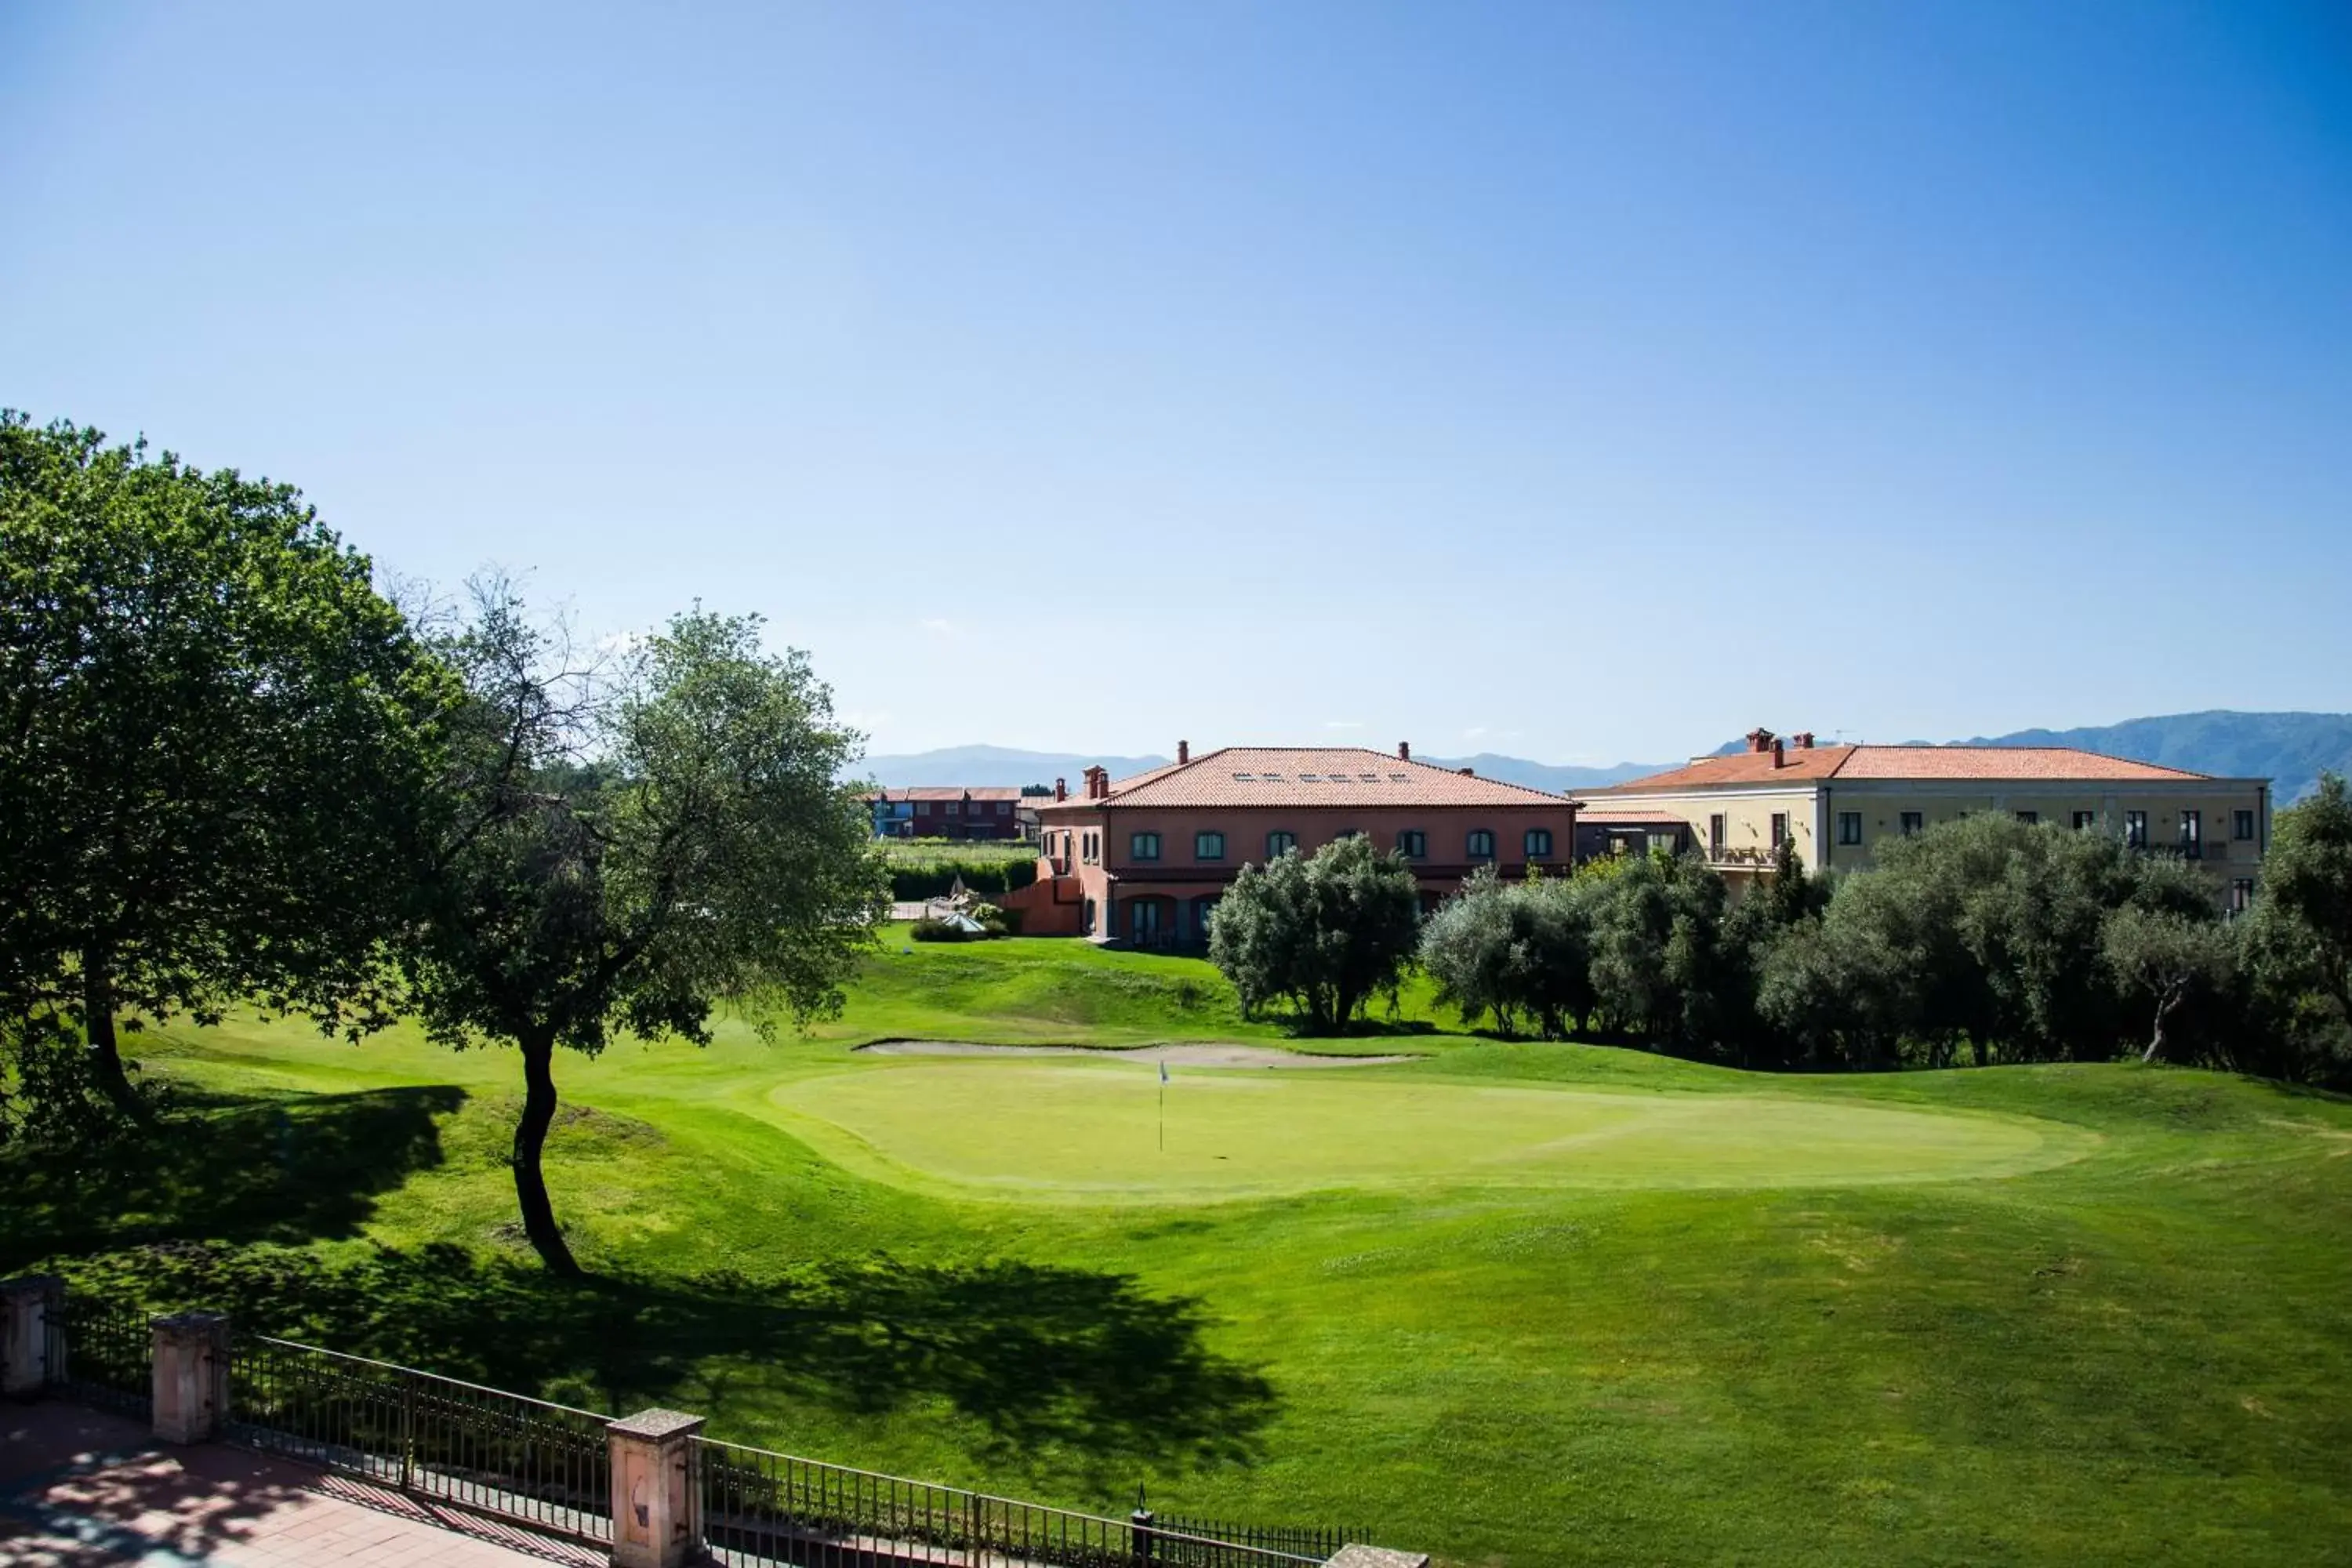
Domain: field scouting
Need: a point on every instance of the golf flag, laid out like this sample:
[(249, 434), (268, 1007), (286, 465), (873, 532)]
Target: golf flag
[(1163, 1071)]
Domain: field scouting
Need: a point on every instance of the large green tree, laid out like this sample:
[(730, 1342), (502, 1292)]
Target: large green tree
[(631, 847), (2300, 935), (216, 744), (1325, 932), (1519, 951)]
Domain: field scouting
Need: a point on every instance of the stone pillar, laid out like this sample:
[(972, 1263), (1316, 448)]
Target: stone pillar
[(190, 1376), (657, 1490), (1377, 1557), (28, 1306)]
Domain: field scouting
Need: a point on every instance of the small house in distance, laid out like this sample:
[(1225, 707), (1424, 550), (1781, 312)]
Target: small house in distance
[(1143, 861), (1836, 803), (946, 811)]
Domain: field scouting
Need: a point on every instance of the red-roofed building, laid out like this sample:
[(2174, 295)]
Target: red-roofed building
[(947, 811), (1142, 861), (1836, 802)]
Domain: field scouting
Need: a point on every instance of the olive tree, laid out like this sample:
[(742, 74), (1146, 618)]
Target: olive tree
[(1325, 931), (216, 743), (2164, 957), (629, 847)]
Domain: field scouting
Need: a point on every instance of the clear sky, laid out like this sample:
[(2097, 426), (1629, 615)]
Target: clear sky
[(1585, 381)]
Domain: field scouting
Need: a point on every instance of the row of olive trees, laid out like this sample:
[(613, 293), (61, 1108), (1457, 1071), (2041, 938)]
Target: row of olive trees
[(1984, 939), (231, 771)]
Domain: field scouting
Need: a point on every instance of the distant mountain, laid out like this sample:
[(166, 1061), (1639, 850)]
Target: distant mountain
[(1000, 766), (1560, 778), (2289, 749), (1003, 766)]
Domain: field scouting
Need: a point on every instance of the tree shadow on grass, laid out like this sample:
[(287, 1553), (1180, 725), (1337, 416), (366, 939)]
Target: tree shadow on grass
[(1053, 1370), (243, 1168)]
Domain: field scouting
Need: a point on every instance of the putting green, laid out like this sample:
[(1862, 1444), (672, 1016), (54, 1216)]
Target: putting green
[(1032, 1131)]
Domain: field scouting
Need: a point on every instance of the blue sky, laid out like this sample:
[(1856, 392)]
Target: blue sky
[(1577, 381)]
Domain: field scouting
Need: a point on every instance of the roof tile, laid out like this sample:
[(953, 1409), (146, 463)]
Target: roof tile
[(1311, 776)]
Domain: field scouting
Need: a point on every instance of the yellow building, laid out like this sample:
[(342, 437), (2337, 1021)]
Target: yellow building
[(1837, 802)]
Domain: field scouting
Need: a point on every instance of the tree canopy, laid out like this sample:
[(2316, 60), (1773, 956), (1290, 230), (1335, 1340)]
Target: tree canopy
[(216, 743), (1325, 932), (629, 847)]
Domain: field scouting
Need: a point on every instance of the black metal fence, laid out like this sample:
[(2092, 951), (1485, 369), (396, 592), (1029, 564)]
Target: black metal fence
[(547, 1466), (1310, 1540), (103, 1353), (759, 1508)]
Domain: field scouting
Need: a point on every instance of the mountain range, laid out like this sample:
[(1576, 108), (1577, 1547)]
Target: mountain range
[(2290, 749)]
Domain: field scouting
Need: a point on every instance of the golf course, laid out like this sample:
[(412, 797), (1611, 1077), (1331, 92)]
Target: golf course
[(1507, 1302)]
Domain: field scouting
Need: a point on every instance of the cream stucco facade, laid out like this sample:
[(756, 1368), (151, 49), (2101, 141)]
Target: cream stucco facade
[(1838, 803)]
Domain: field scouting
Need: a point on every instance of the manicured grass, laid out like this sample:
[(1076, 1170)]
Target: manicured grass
[(1100, 1131), (1513, 1303)]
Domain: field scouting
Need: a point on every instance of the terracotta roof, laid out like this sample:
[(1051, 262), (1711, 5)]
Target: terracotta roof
[(1308, 775), (1805, 766), (952, 791)]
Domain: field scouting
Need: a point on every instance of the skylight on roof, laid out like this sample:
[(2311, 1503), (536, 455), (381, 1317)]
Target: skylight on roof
[(1398, 778), (1309, 778), (1243, 777), (1370, 778), (1269, 778)]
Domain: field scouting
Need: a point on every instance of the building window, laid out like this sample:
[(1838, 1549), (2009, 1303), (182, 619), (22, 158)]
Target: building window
[(2135, 829), (1143, 847), (1779, 829), (1715, 834), (2193, 835), (2241, 825), (1004, 808), (2030, 818), (1086, 918), (923, 808), (1208, 847), (1914, 822), (1849, 827), (1538, 842), (1279, 843), (2086, 820), (955, 808), (1414, 844), (1481, 844), (1090, 848), (2241, 895)]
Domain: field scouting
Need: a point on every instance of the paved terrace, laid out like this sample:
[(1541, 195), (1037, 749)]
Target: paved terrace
[(79, 1487)]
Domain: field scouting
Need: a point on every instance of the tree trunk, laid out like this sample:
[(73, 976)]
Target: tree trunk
[(2164, 1005), (529, 1140), (97, 1026)]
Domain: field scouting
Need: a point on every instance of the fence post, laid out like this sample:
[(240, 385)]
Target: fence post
[(34, 1307), (191, 1367), (657, 1489), (1140, 1538)]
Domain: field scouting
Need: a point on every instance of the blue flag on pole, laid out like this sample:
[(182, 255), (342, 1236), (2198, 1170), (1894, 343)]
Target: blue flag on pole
[(1163, 1072)]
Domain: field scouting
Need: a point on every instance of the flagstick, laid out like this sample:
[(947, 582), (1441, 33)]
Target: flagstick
[(1163, 1116)]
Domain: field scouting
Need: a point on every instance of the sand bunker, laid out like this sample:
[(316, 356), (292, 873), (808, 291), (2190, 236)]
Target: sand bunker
[(1207, 1054)]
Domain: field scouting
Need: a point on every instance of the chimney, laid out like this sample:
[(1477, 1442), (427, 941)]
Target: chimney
[(1404, 750), (1061, 789), (1760, 741), (1469, 772), (1184, 751), (1804, 739), (1097, 782), (1779, 757)]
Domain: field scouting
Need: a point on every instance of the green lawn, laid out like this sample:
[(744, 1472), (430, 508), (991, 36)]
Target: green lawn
[(1513, 1303)]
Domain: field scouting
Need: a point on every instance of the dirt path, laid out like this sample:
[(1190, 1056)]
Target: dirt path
[(1204, 1054)]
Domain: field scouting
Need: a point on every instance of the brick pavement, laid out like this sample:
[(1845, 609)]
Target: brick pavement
[(81, 1489)]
